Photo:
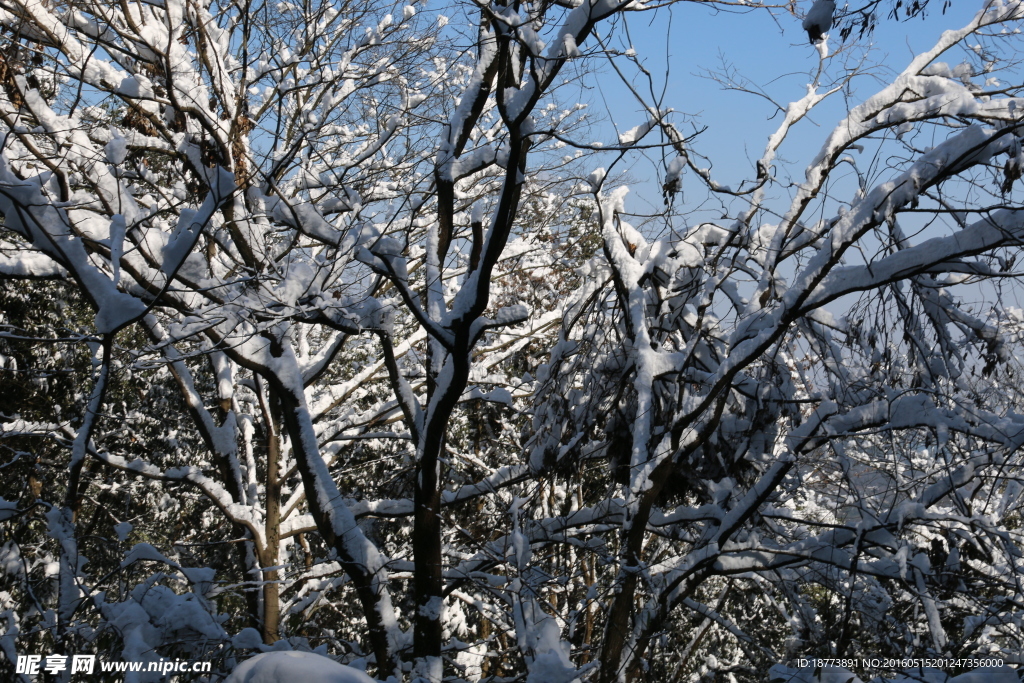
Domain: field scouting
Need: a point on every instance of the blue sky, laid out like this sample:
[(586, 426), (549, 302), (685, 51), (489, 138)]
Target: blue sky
[(770, 52)]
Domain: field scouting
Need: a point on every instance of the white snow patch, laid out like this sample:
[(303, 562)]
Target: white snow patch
[(122, 530), (247, 639), (275, 667)]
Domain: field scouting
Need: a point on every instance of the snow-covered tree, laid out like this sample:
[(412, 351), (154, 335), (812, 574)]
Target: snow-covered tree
[(365, 364), (799, 401)]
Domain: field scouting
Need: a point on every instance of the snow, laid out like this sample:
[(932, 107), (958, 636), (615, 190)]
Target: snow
[(117, 148), (247, 639), (8, 509), (499, 395), (122, 529), (301, 667), (688, 344), (633, 135), (819, 19), (433, 608), (32, 215), (30, 265), (552, 666), (674, 171), (117, 234), (551, 662), (145, 551), (569, 47), (191, 223)]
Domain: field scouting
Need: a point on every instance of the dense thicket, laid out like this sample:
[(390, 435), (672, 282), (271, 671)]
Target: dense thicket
[(332, 327)]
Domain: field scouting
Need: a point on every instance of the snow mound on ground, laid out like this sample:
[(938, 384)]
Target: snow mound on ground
[(308, 667), (826, 674)]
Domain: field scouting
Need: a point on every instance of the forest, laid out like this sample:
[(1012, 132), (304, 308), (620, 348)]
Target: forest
[(439, 342)]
